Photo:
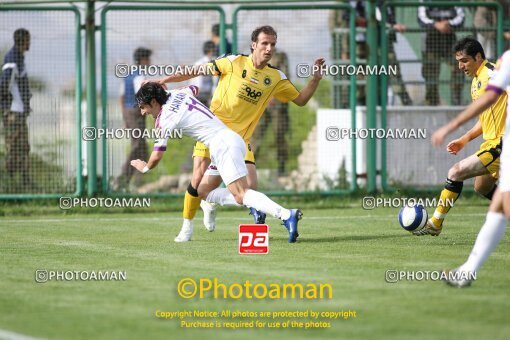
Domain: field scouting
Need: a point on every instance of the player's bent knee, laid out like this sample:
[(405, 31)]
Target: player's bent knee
[(204, 190), (481, 190), (455, 173)]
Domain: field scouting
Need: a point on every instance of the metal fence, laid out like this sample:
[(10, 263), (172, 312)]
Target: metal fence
[(284, 140), (40, 149), (288, 143), (432, 77), (175, 36)]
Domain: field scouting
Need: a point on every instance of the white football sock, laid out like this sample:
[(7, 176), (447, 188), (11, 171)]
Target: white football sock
[(261, 202), (187, 223), (222, 197), (207, 205), (186, 231), (488, 238)]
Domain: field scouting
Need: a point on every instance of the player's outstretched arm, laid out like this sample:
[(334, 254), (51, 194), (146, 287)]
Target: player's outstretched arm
[(154, 159), (473, 110), (458, 144), (309, 90), (186, 73)]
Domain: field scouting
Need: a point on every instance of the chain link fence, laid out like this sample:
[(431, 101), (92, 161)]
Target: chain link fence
[(39, 102)]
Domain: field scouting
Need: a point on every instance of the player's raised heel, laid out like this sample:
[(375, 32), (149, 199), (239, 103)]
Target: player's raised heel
[(209, 215), (258, 216), (291, 224), (429, 229), (186, 232)]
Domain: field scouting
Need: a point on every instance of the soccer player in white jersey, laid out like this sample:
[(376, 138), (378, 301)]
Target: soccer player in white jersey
[(499, 211), (179, 109)]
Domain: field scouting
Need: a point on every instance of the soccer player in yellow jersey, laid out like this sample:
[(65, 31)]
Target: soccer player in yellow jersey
[(493, 229), (484, 165), (245, 88)]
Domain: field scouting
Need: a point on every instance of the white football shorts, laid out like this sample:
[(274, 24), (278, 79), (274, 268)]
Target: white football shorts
[(228, 151)]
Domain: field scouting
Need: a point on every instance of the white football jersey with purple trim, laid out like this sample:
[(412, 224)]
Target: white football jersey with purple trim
[(184, 112), (501, 80), (499, 83)]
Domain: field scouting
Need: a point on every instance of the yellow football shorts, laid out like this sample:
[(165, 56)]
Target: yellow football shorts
[(489, 156), (202, 151)]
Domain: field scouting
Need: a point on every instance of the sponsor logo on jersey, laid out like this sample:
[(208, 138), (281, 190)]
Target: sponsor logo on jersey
[(249, 93)]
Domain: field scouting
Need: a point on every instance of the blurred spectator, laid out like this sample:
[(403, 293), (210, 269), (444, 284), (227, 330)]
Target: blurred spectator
[(485, 18), (205, 83), (215, 37), (506, 23), (340, 47), (440, 22), (276, 113), (15, 108), (132, 116), (397, 83), (362, 49)]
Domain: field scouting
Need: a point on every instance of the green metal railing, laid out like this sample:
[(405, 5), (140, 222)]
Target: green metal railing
[(384, 61), (78, 99), (372, 119), (352, 90), (105, 178)]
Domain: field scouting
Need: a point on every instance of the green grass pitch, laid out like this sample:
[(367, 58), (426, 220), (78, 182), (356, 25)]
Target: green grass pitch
[(349, 248)]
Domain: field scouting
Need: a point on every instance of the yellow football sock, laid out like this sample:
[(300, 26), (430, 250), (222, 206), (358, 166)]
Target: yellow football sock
[(448, 196), (191, 203)]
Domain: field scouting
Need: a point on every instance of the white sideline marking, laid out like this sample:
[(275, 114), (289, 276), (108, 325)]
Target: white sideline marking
[(6, 335), (170, 218)]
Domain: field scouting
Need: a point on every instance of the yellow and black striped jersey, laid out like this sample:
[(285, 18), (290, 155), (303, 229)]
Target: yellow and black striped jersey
[(244, 92), (492, 119)]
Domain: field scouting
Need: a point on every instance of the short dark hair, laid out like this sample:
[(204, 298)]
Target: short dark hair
[(262, 29), (470, 46), (150, 91), (209, 46), (20, 36), (141, 52), (215, 30)]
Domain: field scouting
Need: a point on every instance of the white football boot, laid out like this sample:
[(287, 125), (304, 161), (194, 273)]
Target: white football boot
[(209, 215), (186, 231)]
